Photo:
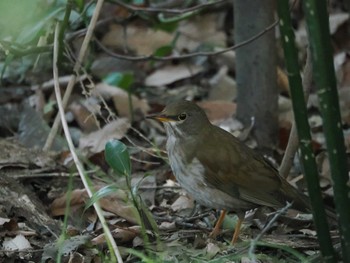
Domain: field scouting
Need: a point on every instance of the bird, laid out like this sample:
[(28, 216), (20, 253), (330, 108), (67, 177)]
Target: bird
[(218, 170)]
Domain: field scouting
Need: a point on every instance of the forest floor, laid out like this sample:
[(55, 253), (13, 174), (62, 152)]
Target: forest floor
[(132, 68)]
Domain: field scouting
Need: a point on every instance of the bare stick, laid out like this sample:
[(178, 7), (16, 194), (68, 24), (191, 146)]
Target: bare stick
[(76, 68), (77, 162), (265, 229), (194, 54)]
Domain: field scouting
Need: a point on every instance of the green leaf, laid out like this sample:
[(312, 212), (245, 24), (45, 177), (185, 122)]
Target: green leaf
[(163, 51), (117, 156), (122, 80), (104, 191), (169, 27), (80, 5)]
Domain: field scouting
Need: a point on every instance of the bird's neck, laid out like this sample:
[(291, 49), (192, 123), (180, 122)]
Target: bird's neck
[(184, 144)]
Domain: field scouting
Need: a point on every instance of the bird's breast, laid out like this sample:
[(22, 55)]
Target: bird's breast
[(190, 174)]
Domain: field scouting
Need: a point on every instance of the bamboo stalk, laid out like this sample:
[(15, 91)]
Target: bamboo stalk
[(303, 128)]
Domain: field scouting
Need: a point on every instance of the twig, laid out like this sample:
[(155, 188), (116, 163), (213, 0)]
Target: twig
[(293, 144), (265, 229), (190, 55), (77, 162), (135, 8), (64, 80), (19, 51), (76, 68)]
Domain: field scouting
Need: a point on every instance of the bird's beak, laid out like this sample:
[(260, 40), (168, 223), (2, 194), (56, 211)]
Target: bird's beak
[(160, 117)]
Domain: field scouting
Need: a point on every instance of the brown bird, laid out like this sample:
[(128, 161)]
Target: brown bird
[(218, 170)]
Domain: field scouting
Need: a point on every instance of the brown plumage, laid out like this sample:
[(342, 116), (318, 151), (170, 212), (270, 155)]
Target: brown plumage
[(217, 169)]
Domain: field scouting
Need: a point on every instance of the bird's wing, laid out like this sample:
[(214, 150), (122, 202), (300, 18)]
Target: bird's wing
[(238, 171)]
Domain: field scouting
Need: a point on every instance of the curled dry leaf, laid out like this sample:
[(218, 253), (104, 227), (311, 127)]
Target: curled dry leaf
[(77, 200), (183, 202), (116, 203), (222, 86), (169, 74), (218, 110), (84, 114), (17, 243), (212, 249), (4, 220), (135, 36), (121, 99), (285, 112), (122, 235), (199, 30), (95, 142), (167, 226), (336, 20)]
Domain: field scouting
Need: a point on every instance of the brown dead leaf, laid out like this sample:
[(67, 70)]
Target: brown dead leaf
[(83, 116), (78, 198), (182, 202), (122, 235), (147, 187), (285, 112), (116, 203), (139, 38), (4, 220), (119, 207), (282, 81), (199, 30), (218, 110), (95, 142), (336, 20), (222, 86), (121, 99), (167, 226), (171, 73)]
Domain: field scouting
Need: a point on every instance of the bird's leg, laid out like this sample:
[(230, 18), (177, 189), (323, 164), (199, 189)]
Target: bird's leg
[(218, 224), (237, 230)]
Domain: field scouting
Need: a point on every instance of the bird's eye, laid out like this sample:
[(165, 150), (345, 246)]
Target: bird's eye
[(182, 116)]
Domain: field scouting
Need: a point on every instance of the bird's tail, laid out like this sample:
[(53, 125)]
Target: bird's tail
[(301, 201)]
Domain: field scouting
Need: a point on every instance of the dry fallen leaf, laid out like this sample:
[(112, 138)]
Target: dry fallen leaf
[(122, 235), (95, 142), (17, 243), (135, 36), (336, 20), (212, 249), (199, 30), (169, 74), (181, 203), (121, 99), (167, 226), (116, 203), (218, 110), (222, 86), (83, 116)]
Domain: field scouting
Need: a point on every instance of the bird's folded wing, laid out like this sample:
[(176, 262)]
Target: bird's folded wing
[(238, 171)]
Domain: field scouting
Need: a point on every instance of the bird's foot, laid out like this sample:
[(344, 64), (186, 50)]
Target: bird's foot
[(217, 229)]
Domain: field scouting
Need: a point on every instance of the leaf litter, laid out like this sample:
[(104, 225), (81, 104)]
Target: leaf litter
[(36, 182)]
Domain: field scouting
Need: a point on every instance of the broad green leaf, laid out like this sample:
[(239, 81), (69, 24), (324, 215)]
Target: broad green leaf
[(122, 80), (163, 51), (117, 156), (169, 27)]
